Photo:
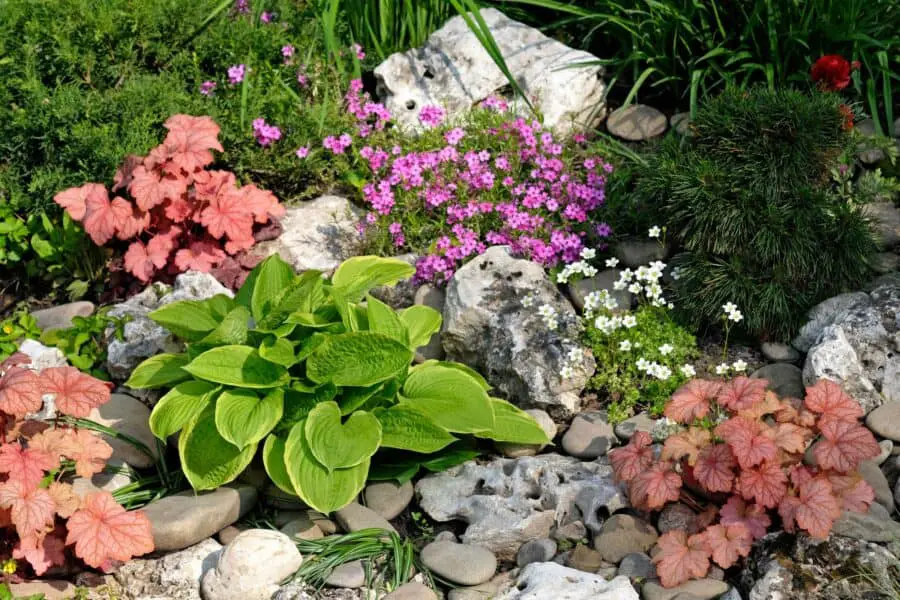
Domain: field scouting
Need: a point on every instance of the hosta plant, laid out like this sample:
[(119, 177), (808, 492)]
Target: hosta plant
[(40, 512), (300, 368), (183, 215), (743, 448)]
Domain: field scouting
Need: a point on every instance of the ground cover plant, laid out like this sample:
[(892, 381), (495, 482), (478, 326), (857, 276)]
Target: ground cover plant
[(40, 512), (299, 368), (743, 448), (749, 197)]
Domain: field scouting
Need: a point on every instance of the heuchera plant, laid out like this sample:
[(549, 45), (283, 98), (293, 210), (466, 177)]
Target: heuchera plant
[(37, 506), (299, 367), (744, 448), (183, 216)]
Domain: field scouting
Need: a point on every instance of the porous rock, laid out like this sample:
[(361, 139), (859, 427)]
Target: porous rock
[(542, 581), (453, 70), (175, 576), (507, 502), (487, 326)]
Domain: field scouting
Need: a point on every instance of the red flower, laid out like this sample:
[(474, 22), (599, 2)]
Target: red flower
[(847, 113), (832, 72)]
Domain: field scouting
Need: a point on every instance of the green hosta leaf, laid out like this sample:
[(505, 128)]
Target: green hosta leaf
[(455, 365), (359, 358), (243, 418), (351, 398), (188, 319), (421, 322), (278, 350), (513, 425), (182, 403), (159, 371), (383, 319), (240, 366), (232, 330), (274, 277), (401, 471), (323, 490), (244, 295), (405, 428), (220, 305), (449, 397), (297, 405), (317, 320), (305, 295), (273, 460), (450, 457), (207, 459), (357, 276), (339, 446)]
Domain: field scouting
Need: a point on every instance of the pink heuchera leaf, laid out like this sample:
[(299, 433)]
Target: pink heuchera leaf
[(143, 261), (767, 484), (742, 393), (800, 474), (103, 531), (262, 203), (65, 498), (815, 510), (189, 142), (136, 223), (652, 488), (680, 558), (844, 445), (714, 468), (686, 444), (31, 508), (28, 465), (125, 172), (179, 209), (41, 552), (789, 437), (20, 392), (74, 199), (89, 452), (691, 401), (150, 188), (15, 359), (727, 543), (633, 458), (226, 216), (754, 518), (75, 392), (853, 492), (748, 441), (56, 443), (829, 400), (102, 217), (200, 256)]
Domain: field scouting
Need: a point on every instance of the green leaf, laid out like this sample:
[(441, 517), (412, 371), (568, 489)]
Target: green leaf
[(305, 295), (242, 418), (240, 366), (450, 457), (316, 320), (339, 446), (232, 330), (244, 296), (220, 305), (358, 275), (449, 397), (323, 490), (159, 371), (401, 471), (351, 398), (405, 428), (273, 461), (454, 365), (513, 425), (181, 404), (298, 404), (278, 350), (383, 319), (274, 276), (188, 319), (421, 322), (207, 459), (358, 358)]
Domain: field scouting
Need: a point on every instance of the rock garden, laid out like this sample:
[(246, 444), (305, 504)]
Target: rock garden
[(449, 300)]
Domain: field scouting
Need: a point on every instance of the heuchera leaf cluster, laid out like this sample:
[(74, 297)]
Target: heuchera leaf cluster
[(744, 448), (319, 382), (37, 506), (182, 216)]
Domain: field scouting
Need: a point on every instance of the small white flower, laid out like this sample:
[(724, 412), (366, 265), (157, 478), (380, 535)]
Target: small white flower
[(642, 364), (562, 277), (589, 271), (662, 372), (676, 273), (588, 253), (635, 288), (736, 316), (722, 369), (528, 301), (688, 370), (612, 262), (629, 321), (670, 306), (610, 304), (739, 366), (666, 349), (654, 232), (625, 345), (574, 355), (729, 308), (619, 286), (566, 372)]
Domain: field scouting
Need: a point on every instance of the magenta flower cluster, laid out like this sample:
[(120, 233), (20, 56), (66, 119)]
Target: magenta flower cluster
[(264, 133), (236, 73)]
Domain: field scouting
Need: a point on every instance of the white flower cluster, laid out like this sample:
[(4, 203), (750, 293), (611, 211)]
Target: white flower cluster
[(582, 267), (653, 369), (732, 313), (572, 359), (549, 316), (594, 301), (644, 279), (609, 324), (528, 300), (738, 366)]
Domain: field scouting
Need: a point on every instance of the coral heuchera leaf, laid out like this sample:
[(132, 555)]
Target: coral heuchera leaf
[(20, 392), (25, 464), (691, 401), (31, 508), (651, 489), (42, 552), (75, 393), (747, 440), (742, 393), (227, 215), (633, 458), (766, 483), (680, 558), (89, 452), (754, 516), (827, 399), (686, 444), (727, 543), (714, 468), (103, 531), (189, 142), (817, 509), (844, 445)]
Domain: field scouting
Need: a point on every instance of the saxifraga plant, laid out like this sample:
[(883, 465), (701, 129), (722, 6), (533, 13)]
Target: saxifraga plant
[(748, 197), (301, 369)]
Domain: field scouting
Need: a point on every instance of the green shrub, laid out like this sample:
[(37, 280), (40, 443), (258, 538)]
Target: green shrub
[(748, 196), (324, 379)]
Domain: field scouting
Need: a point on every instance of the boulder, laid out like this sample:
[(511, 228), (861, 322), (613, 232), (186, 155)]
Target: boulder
[(624, 534), (487, 327), (174, 576), (60, 317), (636, 123), (542, 581), (355, 516), (462, 564), (251, 566), (886, 223), (387, 498), (453, 70), (698, 589), (347, 575), (776, 352), (589, 436), (874, 526), (784, 379), (129, 416), (854, 340), (539, 550), (507, 502), (885, 420)]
